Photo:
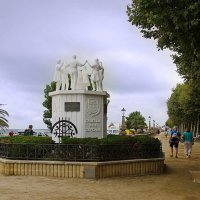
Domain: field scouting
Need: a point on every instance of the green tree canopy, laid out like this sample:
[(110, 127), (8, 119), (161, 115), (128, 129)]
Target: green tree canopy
[(135, 120), (48, 104), (183, 105), (175, 25), (176, 103)]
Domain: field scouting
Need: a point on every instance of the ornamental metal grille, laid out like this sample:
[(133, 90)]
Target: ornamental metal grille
[(64, 128)]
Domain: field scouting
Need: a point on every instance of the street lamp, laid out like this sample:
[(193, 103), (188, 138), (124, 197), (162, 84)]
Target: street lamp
[(123, 127), (153, 124), (157, 125), (149, 122)]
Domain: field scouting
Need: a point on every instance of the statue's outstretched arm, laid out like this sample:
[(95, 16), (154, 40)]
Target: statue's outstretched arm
[(89, 64), (84, 63)]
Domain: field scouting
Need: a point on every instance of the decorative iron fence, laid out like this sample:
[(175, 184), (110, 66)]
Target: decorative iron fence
[(80, 152)]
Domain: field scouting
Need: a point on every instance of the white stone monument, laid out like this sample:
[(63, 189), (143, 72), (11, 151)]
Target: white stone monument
[(83, 108)]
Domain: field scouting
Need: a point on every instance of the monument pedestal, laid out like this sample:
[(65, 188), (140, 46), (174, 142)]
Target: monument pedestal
[(86, 109)]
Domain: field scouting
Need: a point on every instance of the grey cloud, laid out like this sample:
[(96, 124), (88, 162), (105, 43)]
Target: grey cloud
[(133, 79), (35, 33), (26, 74)]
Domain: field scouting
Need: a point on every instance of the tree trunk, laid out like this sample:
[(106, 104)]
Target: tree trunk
[(194, 129), (191, 126), (197, 127)]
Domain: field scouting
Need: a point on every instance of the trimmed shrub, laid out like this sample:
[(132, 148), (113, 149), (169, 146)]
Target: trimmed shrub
[(112, 147), (25, 147), (112, 139), (68, 140), (116, 147), (26, 140)]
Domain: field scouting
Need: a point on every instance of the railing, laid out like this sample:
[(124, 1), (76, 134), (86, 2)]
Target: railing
[(80, 152)]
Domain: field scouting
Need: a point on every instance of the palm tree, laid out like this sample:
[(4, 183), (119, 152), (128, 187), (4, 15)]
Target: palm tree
[(3, 120)]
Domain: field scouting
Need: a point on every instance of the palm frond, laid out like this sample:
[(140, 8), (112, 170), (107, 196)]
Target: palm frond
[(3, 120)]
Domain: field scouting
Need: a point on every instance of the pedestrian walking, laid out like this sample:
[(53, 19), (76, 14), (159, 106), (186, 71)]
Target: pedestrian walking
[(166, 132), (174, 141), (188, 142)]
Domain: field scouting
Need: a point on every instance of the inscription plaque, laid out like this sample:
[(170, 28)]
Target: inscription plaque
[(72, 106)]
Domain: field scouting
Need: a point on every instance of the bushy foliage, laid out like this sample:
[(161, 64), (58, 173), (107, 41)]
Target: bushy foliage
[(48, 104), (26, 140), (114, 147), (183, 105), (68, 140), (80, 149), (135, 120), (175, 25), (112, 139)]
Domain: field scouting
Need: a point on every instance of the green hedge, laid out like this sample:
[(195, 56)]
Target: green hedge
[(112, 139), (25, 147), (26, 140), (112, 147)]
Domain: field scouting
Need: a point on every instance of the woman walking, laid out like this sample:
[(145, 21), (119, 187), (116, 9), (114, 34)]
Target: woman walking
[(188, 141)]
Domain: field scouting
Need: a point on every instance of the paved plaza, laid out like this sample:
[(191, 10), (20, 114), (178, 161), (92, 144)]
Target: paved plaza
[(179, 182)]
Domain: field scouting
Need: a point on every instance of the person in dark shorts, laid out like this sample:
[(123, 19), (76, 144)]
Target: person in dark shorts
[(174, 141)]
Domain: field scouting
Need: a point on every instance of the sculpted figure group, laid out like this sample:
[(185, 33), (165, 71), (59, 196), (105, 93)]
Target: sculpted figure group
[(78, 75)]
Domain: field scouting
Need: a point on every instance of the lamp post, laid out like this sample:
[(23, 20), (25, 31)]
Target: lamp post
[(149, 122), (153, 124), (123, 127)]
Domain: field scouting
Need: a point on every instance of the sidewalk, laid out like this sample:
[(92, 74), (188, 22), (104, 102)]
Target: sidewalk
[(176, 184)]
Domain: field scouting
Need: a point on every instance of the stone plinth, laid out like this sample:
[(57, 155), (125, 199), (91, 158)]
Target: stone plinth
[(87, 110), (93, 170)]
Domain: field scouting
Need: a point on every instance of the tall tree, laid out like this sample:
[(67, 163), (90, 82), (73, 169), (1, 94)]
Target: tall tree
[(3, 120), (48, 104), (183, 106), (135, 120), (175, 104), (175, 25)]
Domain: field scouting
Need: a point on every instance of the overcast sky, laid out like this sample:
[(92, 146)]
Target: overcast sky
[(34, 34)]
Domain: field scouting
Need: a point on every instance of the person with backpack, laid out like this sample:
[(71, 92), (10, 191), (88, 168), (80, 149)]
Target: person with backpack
[(174, 141)]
